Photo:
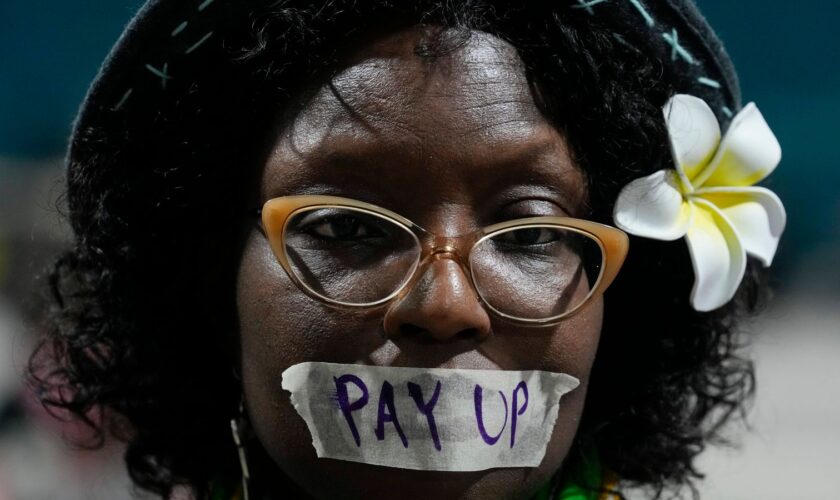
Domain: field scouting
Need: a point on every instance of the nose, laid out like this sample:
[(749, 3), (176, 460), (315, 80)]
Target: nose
[(441, 306)]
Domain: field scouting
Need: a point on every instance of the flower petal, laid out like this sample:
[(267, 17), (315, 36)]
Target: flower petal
[(748, 153), (694, 132), (718, 258), (653, 207), (757, 215)]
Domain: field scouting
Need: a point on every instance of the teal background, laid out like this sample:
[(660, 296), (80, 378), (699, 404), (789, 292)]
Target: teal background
[(788, 59)]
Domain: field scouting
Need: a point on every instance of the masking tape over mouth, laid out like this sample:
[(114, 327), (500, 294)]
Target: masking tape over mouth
[(427, 418)]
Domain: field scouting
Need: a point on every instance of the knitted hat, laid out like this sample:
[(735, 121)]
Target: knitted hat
[(167, 38)]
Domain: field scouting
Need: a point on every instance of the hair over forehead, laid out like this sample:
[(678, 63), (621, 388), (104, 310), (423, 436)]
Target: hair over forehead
[(172, 47)]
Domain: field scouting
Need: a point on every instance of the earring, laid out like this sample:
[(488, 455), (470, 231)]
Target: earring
[(237, 439)]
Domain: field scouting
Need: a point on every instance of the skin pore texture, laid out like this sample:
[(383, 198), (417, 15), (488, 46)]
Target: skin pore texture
[(453, 142)]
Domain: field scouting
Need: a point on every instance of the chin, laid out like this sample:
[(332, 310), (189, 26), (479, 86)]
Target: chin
[(291, 450), (338, 479)]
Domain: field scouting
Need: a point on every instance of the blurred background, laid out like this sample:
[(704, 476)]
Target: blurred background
[(788, 58)]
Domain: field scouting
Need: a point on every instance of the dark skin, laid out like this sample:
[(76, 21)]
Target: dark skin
[(453, 143)]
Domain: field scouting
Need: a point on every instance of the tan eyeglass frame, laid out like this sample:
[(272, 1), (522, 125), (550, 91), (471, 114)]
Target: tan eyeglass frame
[(277, 212)]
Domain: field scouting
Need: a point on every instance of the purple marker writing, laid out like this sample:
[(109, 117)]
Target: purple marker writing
[(386, 400), (426, 409), (479, 417), (517, 411), (344, 404)]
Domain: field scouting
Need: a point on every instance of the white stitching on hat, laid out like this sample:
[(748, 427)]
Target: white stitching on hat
[(641, 8), (676, 49), (198, 43), (671, 38), (584, 4), (709, 82), (178, 29), (624, 42), (162, 73), (122, 100)]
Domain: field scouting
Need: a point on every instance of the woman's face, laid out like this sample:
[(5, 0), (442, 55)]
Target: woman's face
[(453, 143)]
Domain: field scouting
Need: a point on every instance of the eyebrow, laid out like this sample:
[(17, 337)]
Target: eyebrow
[(538, 165), (514, 163)]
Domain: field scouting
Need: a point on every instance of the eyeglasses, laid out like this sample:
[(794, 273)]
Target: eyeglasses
[(532, 271)]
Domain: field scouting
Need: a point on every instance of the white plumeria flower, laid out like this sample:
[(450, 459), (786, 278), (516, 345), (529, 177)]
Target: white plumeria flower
[(710, 198)]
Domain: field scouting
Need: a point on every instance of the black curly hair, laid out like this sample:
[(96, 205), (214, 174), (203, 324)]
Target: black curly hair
[(142, 325)]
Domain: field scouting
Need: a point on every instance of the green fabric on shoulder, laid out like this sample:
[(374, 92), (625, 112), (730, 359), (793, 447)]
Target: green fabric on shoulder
[(222, 490), (585, 471)]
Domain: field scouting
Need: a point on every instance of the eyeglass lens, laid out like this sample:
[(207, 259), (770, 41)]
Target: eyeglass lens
[(353, 256)]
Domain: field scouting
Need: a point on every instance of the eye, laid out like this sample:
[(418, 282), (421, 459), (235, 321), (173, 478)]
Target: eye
[(342, 227), (529, 236)]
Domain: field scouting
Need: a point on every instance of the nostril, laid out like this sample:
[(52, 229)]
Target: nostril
[(468, 333), (423, 334), (410, 329)]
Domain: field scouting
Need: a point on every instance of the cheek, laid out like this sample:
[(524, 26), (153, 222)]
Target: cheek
[(569, 347), (573, 351), (280, 326)]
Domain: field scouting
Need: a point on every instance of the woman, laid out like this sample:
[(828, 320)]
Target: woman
[(184, 302)]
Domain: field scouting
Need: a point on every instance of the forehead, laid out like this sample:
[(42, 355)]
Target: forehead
[(457, 120)]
